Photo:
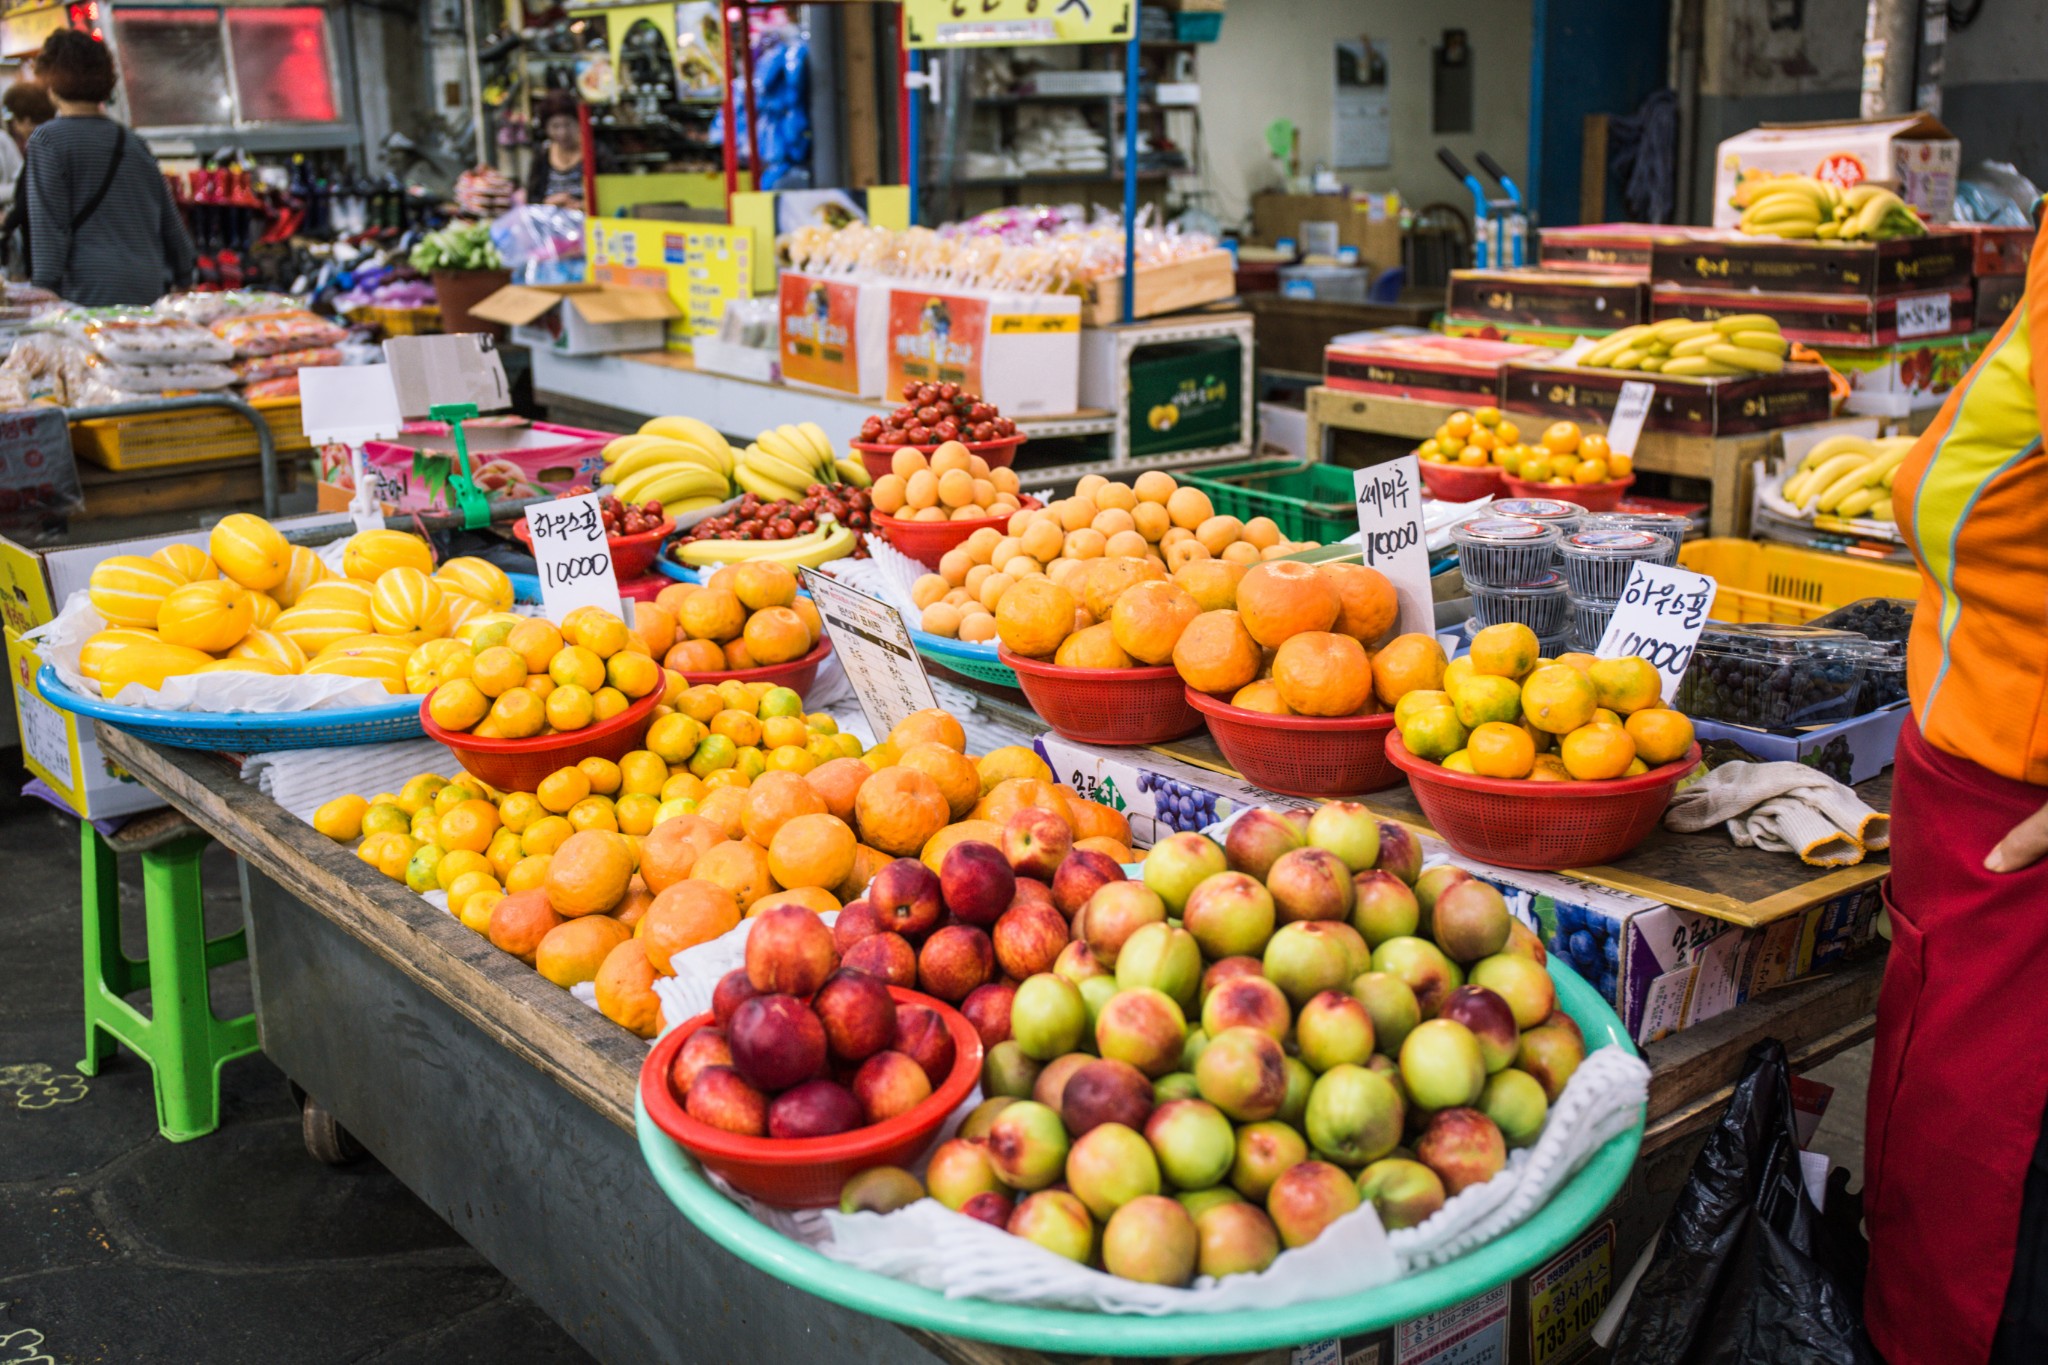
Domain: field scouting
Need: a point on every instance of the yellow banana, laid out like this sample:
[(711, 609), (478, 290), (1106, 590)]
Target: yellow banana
[(781, 447), (1828, 232), (1698, 345), (1745, 322), (1774, 342), (1604, 350), (1832, 494), (852, 471), (1697, 367), (677, 484), (1671, 331), (705, 552), (1845, 444), (783, 471), (1629, 359), (1859, 195), (1742, 358), (1795, 485), (1881, 510), (662, 452), (1827, 476), (1889, 475), (800, 448), (1653, 364), (761, 486), (1857, 503), (619, 447), (821, 444), (1787, 206), (692, 430)]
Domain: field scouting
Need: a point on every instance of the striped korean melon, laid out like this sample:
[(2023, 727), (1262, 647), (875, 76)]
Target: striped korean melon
[(392, 647), (212, 616), (312, 629), (364, 657), (404, 601), (189, 562), (478, 578), (268, 644), (100, 646), (305, 570), (266, 610), (234, 665), (147, 665), (345, 594), (369, 554), (129, 590), (461, 608), (250, 551)]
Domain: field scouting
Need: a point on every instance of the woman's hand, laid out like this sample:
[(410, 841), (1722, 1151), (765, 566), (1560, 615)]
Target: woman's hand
[(2023, 847)]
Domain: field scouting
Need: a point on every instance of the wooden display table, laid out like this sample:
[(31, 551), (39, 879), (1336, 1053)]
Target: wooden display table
[(508, 1106), (1725, 461)]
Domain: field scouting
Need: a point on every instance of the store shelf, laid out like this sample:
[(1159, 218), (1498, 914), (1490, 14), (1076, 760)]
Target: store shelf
[(1054, 178)]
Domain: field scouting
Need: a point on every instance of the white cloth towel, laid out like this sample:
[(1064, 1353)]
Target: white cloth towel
[(1783, 808)]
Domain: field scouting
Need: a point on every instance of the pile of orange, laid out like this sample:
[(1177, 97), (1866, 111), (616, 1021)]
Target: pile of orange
[(524, 677), (1563, 455), (1503, 711), (745, 615), (610, 869)]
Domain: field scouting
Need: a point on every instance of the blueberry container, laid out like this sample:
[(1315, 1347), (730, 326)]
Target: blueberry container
[(1775, 677), (1597, 560), (1565, 516), (1888, 620), (1667, 524), (1589, 622), (1542, 605), (1499, 552)]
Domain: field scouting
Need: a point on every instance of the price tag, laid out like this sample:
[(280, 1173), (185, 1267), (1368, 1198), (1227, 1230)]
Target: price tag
[(874, 647), (573, 558), (1659, 619), (44, 735), (1392, 539), (1923, 315), (1630, 410)]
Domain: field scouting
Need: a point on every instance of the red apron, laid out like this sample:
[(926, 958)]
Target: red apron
[(1960, 1071)]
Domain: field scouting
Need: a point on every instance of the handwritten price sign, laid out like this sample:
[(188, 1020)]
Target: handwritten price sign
[(1659, 619), (873, 644), (573, 557), (1391, 536)]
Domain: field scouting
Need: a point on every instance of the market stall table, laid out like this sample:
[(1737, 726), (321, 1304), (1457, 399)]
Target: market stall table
[(508, 1106)]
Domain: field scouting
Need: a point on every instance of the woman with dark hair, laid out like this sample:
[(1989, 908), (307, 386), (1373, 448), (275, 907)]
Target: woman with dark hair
[(557, 174), (102, 227), (24, 108)]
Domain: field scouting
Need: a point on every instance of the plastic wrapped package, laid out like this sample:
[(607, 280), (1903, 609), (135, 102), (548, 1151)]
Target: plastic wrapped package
[(1773, 677), (180, 378), (39, 485), (206, 309), (37, 359), (286, 387), (259, 334), (541, 244), (259, 368), (139, 337)]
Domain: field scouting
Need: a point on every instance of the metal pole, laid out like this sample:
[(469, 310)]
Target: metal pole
[(266, 448), (1131, 76), (908, 122), (732, 151), (747, 88), (1889, 40), (476, 84)]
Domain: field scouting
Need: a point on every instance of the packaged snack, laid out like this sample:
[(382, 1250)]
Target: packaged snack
[(147, 339), (207, 309), (287, 387), (255, 369), (293, 329)]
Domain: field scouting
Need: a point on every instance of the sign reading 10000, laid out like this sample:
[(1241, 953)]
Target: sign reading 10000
[(979, 23)]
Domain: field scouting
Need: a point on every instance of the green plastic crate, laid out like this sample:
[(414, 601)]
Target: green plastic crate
[(1307, 501)]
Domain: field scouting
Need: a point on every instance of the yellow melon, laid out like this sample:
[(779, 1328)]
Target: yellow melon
[(305, 570), (461, 608), (478, 578), (147, 665), (344, 593), (370, 553), (362, 663), (234, 665), (312, 629), (189, 562), (264, 609), (405, 600), (268, 644), (250, 551), (129, 590), (93, 654), (212, 615)]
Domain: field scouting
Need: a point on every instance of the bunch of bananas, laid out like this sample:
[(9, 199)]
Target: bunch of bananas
[(1799, 206), (1848, 476), (783, 461), (1748, 343), (679, 462), (829, 542)]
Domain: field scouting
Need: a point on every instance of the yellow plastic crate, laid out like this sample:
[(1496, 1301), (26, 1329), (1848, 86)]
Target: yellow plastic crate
[(406, 322), (1787, 585), (153, 440)]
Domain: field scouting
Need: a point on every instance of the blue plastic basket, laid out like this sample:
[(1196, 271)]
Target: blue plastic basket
[(244, 731), (1520, 1249), (681, 573), (978, 662)]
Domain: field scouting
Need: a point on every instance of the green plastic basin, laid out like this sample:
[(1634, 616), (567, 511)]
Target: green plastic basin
[(1545, 1233)]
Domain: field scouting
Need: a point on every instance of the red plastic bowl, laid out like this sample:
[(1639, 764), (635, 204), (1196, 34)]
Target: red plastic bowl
[(927, 541), (632, 556), (1463, 483), (797, 674), (1540, 826), (1317, 756), (807, 1173), (518, 765), (1117, 706), (996, 454), (1594, 497)]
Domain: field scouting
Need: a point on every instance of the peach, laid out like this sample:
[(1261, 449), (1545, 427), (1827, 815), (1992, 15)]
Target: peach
[(817, 1108), (1143, 1027), (1027, 1145), (1247, 1002), (1463, 1147), (858, 1015), (1057, 1221), (790, 952), (1392, 1005), (1151, 1239), (1257, 838), (1230, 914), (1332, 1030), (1264, 1150), (776, 1042), (1441, 1065), (906, 897), (888, 956), (1470, 921), (1194, 1142), (1030, 939), (922, 1036), (976, 882), (889, 1084), (1383, 906), (1423, 966), (880, 1189), (1179, 863), (1106, 1091), (1079, 876), (1403, 1192), (705, 1047), (953, 961), (1243, 1072), (960, 1170), (1234, 1238), (1490, 1020), (1354, 1115), (732, 991), (1110, 1165), (1307, 1198), (1117, 910), (1310, 884), (1036, 841), (720, 1098)]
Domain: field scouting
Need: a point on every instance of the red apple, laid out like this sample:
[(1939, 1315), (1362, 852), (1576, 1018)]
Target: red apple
[(1029, 939), (905, 897), (790, 952), (1243, 1072), (1033, 892), (1145, 1028), (1036, 841), (987, 1007), (885, 955), (1307, 1198), (1230, 914), (976, 882), (1384, 907), (958, 1171), (1223, 968), (953, 961), (1179, 863), (1080, 874), (720, 1098), (776, 1041), (858, 1014), (1077, 964), (1247, 1002), (889, 1084), (1551, 1053), (1400, 852), (1470, 921), (922, 1036), (1404, 1192), (1490, 1020), (1050, 1089)]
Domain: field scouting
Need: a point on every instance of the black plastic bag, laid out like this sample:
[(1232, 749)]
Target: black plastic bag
[(1746, 1270)]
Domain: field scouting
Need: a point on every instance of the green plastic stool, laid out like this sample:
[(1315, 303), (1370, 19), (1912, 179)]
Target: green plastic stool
[(184, 1044)]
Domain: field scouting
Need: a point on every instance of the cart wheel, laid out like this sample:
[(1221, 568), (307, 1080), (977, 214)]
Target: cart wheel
[(298, 1092), (326, 1139)]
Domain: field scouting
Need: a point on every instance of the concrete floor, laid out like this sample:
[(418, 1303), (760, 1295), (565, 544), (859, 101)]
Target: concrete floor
[(239, 1247)]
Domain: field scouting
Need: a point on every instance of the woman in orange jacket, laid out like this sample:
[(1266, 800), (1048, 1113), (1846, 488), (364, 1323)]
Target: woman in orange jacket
[(1956, 1194)]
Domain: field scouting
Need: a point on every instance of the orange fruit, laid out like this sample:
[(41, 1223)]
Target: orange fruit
[(570, 708), (774, 799), (1321, 673), (934, 852), (1283, 598), (1549, 768), (1005, 799), (469, 826), (625, 990), (1108, 579), (497, 671), (776, 635), (1458, 424), (575, 666), (740, 866), (1093, 820), (814, 850), (838, 781), (816, 899), (655, 626), (695, 656), (588, 873), (684, 915), (633, 675), (1147, 620), (562, 789), (722, 806), (544, 836), (605, 776), (760, 586), (1661, 735), (1092, 647), (1508, 650), (1582, 662), (593, 813), (899, 809), (1012, 760), (1216, 654), (1561, 438), (1263, 695), (1485, 697), (1434, 733), (866, 863), (929, 726), (1594, 752), (1211, 582), (634, 907), (672, 848), (713, 614), (1593, 446), (959, 781), (1034, 616), (520, 921), (1558, 698), (1626, 685), (1410, 663), (1366, 605), (572, 953), (1499, 749)]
